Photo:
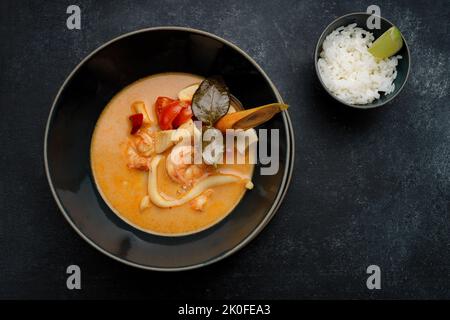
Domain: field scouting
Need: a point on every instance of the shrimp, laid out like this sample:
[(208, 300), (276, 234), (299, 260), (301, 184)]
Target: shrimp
[(140, 150), (180, 167), (136, 161), (145, 144), (199, 202)]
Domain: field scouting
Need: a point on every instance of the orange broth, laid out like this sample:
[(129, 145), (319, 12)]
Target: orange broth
[(123, 188)]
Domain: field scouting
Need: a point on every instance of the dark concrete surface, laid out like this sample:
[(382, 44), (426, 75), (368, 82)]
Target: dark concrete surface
[(370, 187)]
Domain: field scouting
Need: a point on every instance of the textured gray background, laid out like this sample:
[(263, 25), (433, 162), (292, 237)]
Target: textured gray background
[(370, 187)]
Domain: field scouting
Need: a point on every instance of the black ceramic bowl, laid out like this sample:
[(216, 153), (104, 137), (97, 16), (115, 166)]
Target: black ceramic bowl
[(360, 19), (77, 107)]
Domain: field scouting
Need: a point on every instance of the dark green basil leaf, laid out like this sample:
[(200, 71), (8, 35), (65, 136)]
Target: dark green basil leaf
[(211, 101)]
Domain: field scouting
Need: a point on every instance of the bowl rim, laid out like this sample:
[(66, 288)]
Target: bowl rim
[(356, 106), (285, 182)]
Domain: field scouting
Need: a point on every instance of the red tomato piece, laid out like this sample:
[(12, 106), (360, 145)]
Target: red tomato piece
[(184, 115), (168, 114), (161, 103)]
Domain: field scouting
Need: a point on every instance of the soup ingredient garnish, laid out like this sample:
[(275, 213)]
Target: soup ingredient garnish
[(196, 190), (145, 203), (388, 44), (249, 118), (139, 107), (168, 114), (173, 114), (163, 140), (187, 93), (181, 169), (136, 122), (350, 71), (141, 147), (135, 160), (144, 142), (199, 202), (211, 101), (184, 115), (161, 103), (167, 138)]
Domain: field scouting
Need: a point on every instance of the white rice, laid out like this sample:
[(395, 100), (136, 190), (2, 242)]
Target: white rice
[(350, 71)]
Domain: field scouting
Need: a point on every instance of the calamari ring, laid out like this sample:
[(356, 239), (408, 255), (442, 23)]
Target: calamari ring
[(160, 201)]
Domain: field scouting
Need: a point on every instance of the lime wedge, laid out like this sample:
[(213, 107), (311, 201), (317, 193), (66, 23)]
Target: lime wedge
[(388, 44)]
